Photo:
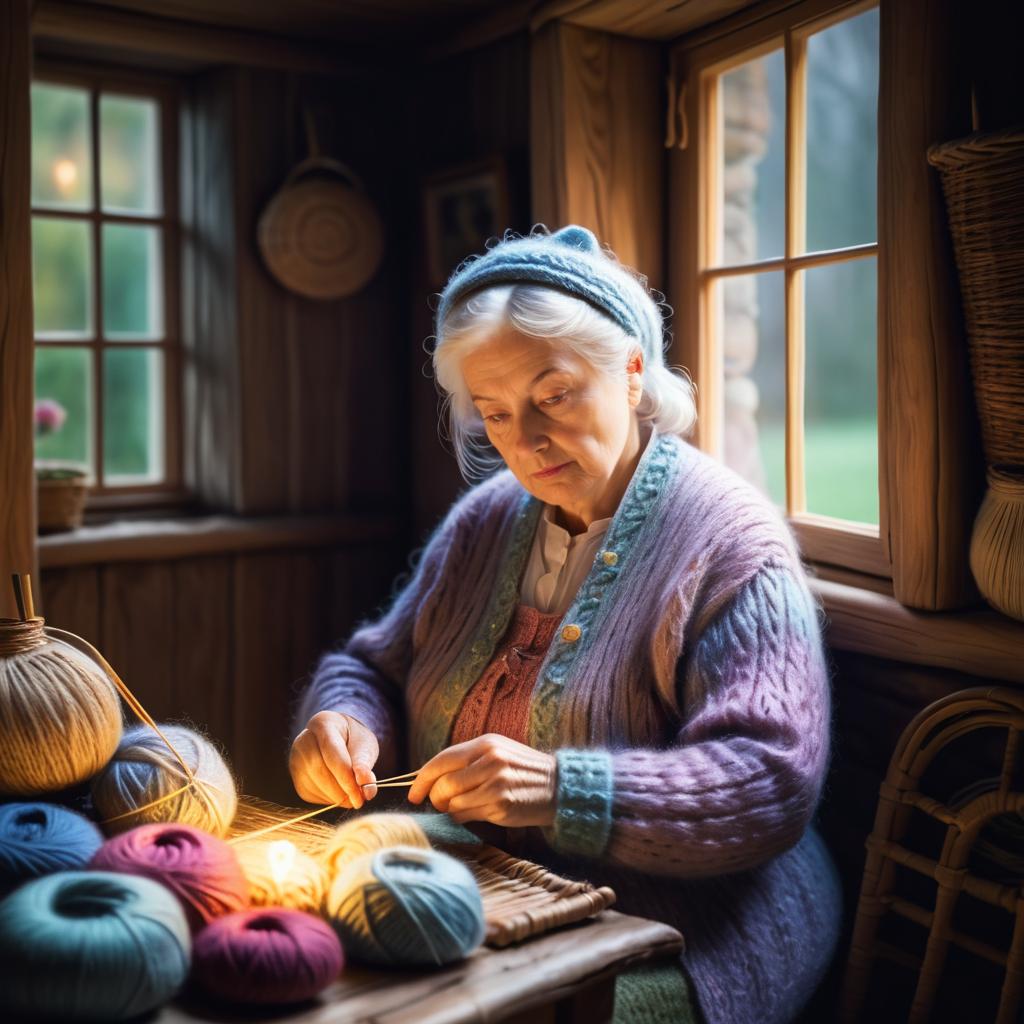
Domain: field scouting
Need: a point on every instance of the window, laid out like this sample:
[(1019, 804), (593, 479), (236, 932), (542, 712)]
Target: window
[(104, 280), (778, 256)]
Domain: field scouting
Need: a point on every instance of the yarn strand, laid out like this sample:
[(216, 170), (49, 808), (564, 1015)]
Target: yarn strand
[(84, 647)]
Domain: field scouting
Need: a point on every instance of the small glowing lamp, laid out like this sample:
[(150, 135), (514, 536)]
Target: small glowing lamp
[(280, 857)]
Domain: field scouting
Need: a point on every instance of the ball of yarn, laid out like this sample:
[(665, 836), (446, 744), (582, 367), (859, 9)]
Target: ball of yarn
[(60, 715), (200, 869), (406, 906), (368, 833), (294, 880), (266, 956), (146, 783), (92, 946), (38, 839)]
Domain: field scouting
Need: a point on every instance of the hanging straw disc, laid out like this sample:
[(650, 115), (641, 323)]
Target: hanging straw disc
[(60, 715), (320, 235)]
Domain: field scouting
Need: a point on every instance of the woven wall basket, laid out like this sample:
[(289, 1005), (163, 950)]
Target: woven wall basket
[(320, 235), (983, 181)]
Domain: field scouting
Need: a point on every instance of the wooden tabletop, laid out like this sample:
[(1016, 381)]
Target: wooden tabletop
[(492, 985)]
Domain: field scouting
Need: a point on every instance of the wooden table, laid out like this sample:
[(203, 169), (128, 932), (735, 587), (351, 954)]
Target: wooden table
[(566, 976)]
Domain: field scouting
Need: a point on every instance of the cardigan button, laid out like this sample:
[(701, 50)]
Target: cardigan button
[(571, 633), (609, 557)]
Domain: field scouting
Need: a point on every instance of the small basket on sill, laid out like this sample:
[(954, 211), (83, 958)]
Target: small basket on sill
[(60, 498)]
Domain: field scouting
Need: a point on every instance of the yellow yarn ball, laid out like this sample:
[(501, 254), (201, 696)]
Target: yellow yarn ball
[(279, 875), (60, 715), (145, 783), (370, 832)]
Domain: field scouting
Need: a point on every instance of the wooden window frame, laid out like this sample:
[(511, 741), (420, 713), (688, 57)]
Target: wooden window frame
[(167, 92), (694, 268)]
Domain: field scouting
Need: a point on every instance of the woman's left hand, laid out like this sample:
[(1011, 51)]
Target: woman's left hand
[(490, 778)]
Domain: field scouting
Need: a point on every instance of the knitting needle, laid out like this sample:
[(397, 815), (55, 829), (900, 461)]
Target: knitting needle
[(30, 607), (394, 780), (18, 596)]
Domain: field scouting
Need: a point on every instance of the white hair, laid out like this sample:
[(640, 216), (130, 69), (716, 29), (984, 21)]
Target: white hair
[(540, 312)]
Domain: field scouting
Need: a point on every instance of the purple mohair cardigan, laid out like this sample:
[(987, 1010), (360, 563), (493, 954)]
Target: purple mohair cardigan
[(686, 697)]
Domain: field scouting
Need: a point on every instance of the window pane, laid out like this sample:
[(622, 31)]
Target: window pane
[(132, 415), (842, 138), (62, 277), (752, 163), (63, 383), (754, 359), (841, 407), (132, 292), (61, 149), (129, 164)]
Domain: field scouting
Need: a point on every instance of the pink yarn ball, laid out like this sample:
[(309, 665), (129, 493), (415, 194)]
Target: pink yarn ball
[(270, 955), (200, 869)]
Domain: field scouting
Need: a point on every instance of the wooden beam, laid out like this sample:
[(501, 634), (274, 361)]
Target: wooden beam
[(597, 155), (930, 472), (17, 478), (195, 44), (980, 642)]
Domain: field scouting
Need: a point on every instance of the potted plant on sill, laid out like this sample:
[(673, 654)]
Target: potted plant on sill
[(60, 489)]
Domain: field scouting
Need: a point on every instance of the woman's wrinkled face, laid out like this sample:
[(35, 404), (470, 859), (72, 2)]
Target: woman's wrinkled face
[(565, 428)]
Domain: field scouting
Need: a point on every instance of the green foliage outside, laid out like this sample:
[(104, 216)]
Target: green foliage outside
[(63, 255)]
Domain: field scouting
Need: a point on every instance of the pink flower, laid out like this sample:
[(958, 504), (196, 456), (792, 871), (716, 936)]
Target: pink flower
[(49, 416)]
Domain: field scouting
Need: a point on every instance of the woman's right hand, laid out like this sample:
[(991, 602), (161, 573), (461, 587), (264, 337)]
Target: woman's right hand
[(332, 759)]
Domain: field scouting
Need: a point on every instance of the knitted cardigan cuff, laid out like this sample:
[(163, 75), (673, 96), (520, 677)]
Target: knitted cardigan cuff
[(583, 815)]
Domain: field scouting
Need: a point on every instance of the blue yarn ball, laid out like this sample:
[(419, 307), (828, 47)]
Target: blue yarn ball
[(406, 906), (91, 946), (38, 839)]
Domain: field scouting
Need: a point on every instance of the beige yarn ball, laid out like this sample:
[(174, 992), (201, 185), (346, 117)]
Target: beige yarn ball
[(368, 833), (300, 885), (141, 783), (60, 715)]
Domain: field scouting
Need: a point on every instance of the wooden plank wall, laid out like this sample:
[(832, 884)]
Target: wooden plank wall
[(17, 480), (225, 642), (296, 405), (597, 156), (468, 107)]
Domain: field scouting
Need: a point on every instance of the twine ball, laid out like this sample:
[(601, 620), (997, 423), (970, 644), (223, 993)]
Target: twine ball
[(406, 906), (266, 956), (368, 833), (38, 839), (60, 715), (301, 888), (144, 770), (90, 946), (200, 869)]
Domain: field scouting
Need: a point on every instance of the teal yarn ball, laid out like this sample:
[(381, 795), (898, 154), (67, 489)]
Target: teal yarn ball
[(90, 946), (406, 906), (38, 839)]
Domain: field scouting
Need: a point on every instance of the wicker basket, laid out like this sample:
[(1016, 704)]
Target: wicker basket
[(983, 181), (60, 500)]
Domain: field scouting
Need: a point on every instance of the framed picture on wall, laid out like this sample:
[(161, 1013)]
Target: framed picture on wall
[(463, 206)]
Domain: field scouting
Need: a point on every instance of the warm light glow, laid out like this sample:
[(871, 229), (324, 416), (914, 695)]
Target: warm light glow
[(65, 173), (281, 857)]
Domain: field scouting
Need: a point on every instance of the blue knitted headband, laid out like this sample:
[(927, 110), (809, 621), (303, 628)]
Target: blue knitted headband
[(572, 261)]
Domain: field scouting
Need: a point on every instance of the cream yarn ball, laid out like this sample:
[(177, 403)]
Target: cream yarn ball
[(136, 787), (368, 833), (60, 714)]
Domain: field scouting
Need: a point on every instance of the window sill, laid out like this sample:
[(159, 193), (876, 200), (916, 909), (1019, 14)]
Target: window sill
[(156, 540), (980, 642)]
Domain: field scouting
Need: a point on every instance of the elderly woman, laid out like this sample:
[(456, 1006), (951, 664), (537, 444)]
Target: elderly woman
[(608, 647)]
